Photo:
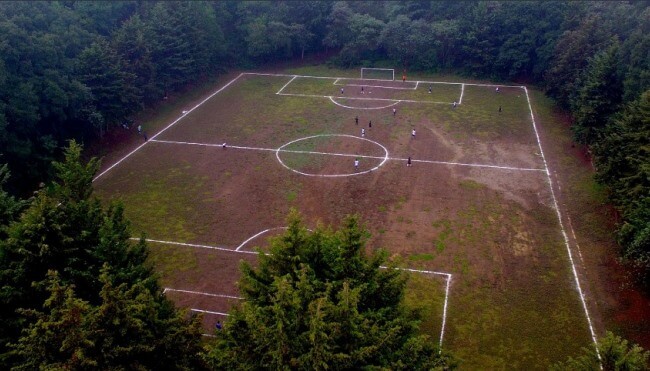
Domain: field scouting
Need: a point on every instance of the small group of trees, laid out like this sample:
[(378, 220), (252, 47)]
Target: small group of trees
[(76, 293)]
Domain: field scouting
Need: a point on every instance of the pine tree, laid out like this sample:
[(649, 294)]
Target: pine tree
[(616, 354), (318, 302), (66, 230)]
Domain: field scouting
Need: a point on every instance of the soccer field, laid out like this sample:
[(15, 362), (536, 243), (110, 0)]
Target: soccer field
[(474, 217)]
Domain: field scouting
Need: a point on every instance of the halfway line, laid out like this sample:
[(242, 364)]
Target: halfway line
[(351, 155)]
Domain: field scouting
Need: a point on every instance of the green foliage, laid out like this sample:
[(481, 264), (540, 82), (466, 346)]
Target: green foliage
[(599, 95), (623, 162), (9, 205), (616, 354), (67, 231), (129, 329), (317, 302)]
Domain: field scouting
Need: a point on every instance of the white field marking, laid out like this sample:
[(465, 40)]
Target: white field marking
[(416, 85), (375, 86), (194, 245), (359, 98), (566, 238), (344, 106), (167, 127), (444, 308), (356, 78), (208, 335), (209, 312), (462, 91), (203, 293), (384, 159), (447, 275), (575, 239), (285, 85), (257, 235), (513, 168)]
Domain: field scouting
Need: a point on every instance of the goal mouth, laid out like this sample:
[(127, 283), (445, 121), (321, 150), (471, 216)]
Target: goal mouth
[(385, 74)]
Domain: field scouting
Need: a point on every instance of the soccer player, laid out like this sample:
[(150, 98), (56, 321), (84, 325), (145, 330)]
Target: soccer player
[(370, 124), (363, 132), (455, 104), (413, 133), (140, 129), (404, 78), (394, 111), (224, 145), (356, 164), (356, 120), (497, 89), (341, 91), (499, 109), (429, 89), (408, 162), (218, 325), (362, 90)]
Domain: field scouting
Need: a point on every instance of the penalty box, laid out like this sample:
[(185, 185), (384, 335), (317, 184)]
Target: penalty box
[(208, 286)]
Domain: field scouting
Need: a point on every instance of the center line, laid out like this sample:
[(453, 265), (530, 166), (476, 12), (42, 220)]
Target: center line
[(351, 155)]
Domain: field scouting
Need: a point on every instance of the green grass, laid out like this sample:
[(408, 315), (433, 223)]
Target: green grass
[(512, 301)]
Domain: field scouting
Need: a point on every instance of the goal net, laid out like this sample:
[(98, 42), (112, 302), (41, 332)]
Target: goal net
[(378, 74)]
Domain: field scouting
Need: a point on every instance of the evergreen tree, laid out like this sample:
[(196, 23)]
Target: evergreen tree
[(623, 164), (129, 329), (616, 354), (318, 302), (66, 230), (599, 95)]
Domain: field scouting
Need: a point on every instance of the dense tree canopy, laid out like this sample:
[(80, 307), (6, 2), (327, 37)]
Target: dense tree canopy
[(69, 255), (318, 302)]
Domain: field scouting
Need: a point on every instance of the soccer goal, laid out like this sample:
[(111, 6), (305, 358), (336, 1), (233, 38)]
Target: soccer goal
[(378, 73)]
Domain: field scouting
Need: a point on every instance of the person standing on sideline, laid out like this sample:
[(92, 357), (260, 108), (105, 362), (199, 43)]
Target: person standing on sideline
[(363, 132), (408, 162), (356, 120), (413, 133), (356, 164), (394, 111)]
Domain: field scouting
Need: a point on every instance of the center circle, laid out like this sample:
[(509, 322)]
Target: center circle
[(282, 149)]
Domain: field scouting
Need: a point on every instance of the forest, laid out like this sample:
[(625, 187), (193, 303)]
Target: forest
[(74, 70)]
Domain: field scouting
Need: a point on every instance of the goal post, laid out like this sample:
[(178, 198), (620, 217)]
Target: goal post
[(377, 73)]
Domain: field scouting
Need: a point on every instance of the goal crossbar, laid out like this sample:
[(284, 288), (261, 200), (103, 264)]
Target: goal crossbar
[(389, 73)]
